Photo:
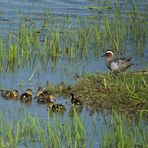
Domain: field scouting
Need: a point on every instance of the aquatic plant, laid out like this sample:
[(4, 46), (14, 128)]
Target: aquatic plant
[(121, 134), (84, 38), (29, 130)]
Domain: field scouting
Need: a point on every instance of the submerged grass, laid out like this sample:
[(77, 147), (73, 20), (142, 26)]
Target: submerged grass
[(119, 131)]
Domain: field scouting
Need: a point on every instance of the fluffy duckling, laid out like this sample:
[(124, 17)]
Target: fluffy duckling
[(27, 96), (56, 107), (74, 101), (39, 92), (6, 94), (14, 94), (44, 96)]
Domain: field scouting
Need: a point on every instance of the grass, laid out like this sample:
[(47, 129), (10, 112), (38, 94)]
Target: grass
[(121, 134), (62, 38), (31, 131), (118, 131), (126, 92), (56, 38)]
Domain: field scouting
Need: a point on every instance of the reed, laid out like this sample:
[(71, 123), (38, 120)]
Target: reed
[(72, 40), (122, 134), (118, 131)]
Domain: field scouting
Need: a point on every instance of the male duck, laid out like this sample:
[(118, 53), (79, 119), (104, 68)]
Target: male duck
[(116, 64)]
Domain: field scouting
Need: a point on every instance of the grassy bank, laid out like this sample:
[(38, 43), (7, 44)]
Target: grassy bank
[(126, 92)]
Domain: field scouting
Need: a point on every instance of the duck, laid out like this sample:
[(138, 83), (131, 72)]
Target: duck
[(74, 101), (14, 94), (26, 96), (116, 64), (6, 94), (56, 107), (39, 91), (44, 96), (64, 88)]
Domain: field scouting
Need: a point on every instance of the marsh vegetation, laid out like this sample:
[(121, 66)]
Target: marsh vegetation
[(53, 49)]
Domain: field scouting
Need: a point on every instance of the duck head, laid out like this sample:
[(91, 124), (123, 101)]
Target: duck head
[(109, 55), (72, 96), (50, 104), (29, 91), (15, 93), (39, 91), (51, 97)]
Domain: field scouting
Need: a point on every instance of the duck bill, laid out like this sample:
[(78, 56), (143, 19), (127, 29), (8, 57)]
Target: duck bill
[(103, 55)]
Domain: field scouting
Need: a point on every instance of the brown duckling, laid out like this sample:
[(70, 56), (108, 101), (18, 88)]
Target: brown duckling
[(6, 94), (39, 91), (74, 101), (27, 96), (56, 107), (14, 94), (44, 96)]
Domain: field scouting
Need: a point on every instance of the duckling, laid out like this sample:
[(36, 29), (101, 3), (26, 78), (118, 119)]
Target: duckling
[(74, 101), (27, 96), (56, 107), (39, 91), (48, 96), (14, 94), (44, 96), (64, 88), (6, 94)]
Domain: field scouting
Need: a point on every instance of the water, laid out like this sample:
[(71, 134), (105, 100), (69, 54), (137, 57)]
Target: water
[(14, 110), (11, 11)]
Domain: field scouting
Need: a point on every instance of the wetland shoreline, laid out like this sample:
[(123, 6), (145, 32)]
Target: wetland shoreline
[(126, 92)]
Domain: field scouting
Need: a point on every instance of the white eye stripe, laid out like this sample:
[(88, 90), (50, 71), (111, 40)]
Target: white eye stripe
[(109, 52)]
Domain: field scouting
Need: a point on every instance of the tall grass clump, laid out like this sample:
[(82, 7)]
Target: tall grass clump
[(57, 131), (120, 133), (50, 132), (138, 27), (73, 39)]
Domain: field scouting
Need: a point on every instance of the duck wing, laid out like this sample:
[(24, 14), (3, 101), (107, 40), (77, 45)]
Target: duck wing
[(120, 61)]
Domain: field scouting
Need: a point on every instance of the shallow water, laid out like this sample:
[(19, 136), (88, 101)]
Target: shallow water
[(11, 11), (14, 110), (94, 123)]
